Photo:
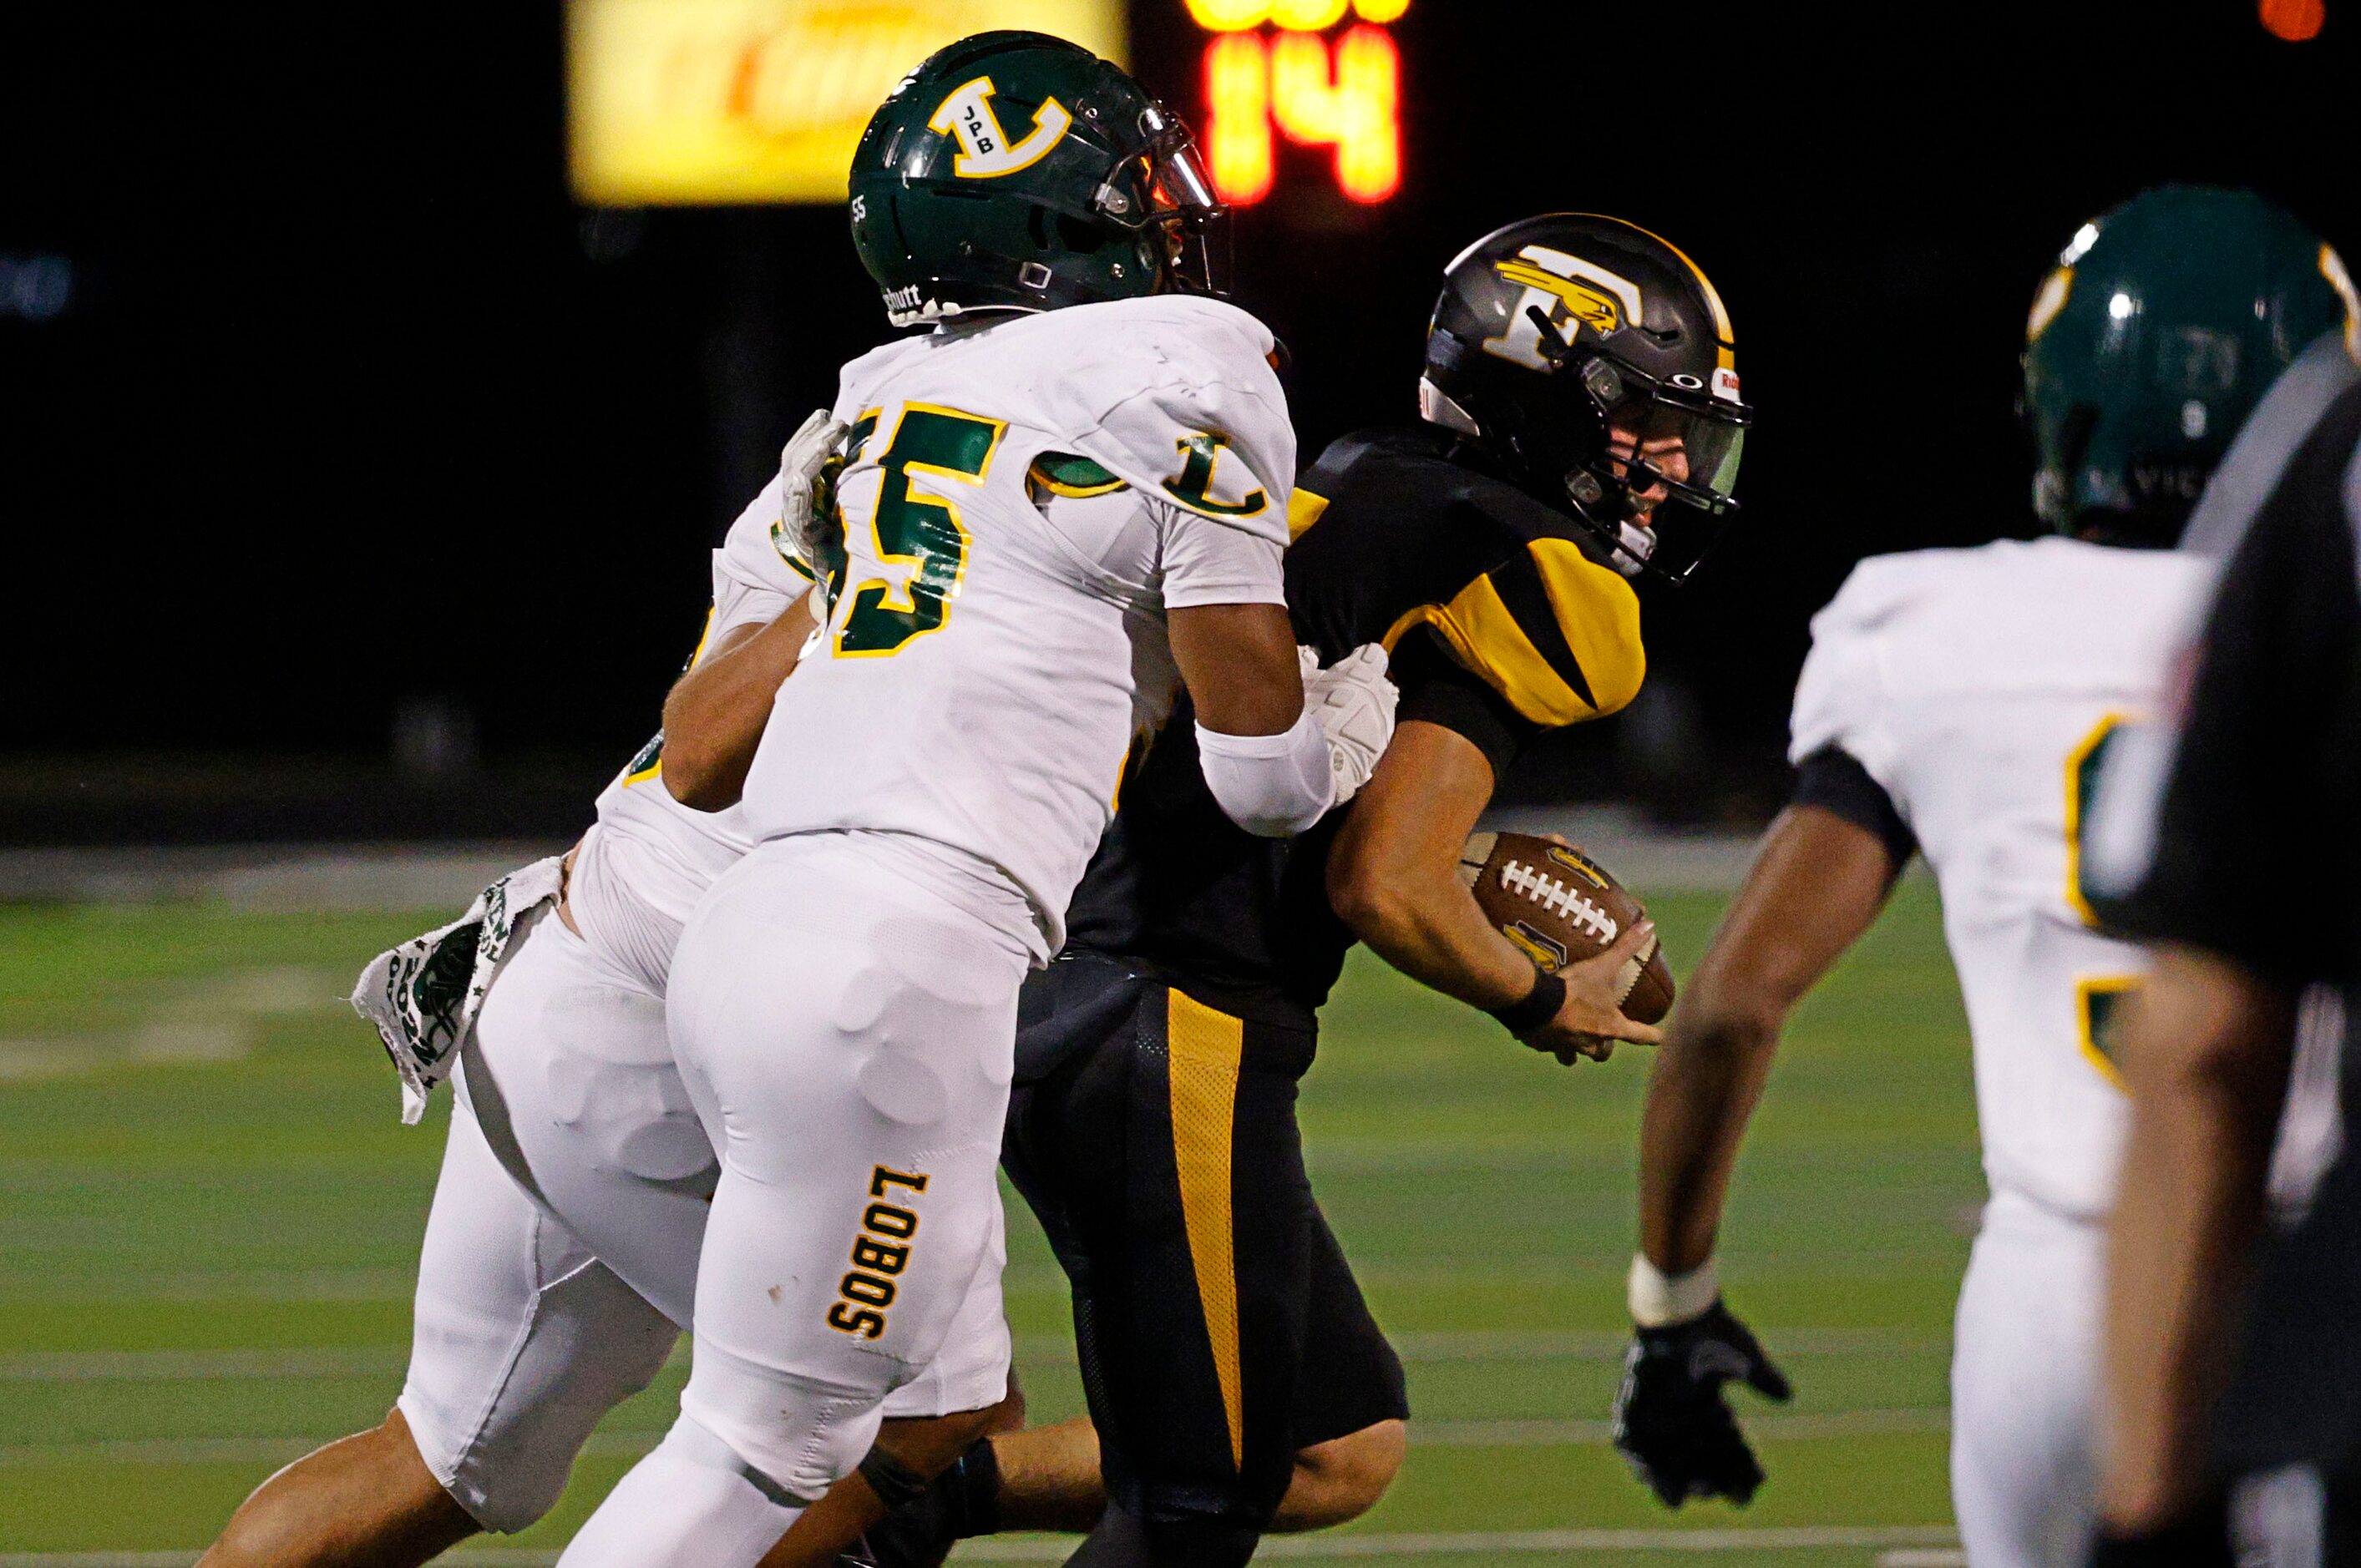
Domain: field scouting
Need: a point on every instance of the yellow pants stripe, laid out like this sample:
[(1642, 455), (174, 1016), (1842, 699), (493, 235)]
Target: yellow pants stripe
[(1205, 1047)]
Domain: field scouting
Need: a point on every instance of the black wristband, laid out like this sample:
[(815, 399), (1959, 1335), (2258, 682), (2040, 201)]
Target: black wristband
[(1538, 1007), (893, 1482)]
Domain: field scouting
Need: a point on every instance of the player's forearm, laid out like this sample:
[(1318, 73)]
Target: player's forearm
[(1708, 1078), (1817, 885), (1426, 924), (714, 713), (2205, 1059)]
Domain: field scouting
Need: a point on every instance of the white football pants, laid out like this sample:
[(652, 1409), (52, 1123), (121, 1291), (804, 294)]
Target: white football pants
[(843, 1007), (561, 1251), (2025, 1388)]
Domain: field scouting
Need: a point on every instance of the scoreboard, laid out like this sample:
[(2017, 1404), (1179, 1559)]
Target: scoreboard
[(1319, 73)]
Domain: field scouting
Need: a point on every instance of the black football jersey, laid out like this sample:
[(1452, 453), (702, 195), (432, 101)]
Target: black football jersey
[(1501, 623), (2257, 816)]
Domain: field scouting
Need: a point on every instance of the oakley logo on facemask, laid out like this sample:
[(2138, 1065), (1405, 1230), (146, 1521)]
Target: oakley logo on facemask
[(987, 151)]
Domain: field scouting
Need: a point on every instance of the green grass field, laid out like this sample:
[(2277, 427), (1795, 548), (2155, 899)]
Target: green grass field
[(209, 1214)]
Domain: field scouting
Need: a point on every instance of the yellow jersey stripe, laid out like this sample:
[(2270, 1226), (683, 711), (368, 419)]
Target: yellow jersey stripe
[(1304, 509), (1205, 1047), (1599, 614)]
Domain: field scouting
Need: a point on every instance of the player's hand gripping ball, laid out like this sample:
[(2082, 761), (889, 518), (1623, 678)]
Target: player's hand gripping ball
[(1561, 907)]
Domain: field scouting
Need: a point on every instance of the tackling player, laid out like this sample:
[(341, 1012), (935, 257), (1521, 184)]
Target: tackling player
[(1957, 703), (558, 1291), (1069, 496), (560, 1249), (1579, 373)]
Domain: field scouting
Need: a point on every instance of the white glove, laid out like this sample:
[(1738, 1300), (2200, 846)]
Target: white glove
[(1354, 704), (802, 460)]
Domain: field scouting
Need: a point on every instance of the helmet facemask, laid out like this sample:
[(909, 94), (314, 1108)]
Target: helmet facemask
[(1614, 453), (1159, 189)]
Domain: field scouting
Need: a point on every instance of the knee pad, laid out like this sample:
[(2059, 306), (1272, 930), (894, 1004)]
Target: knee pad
[(801, 1433)]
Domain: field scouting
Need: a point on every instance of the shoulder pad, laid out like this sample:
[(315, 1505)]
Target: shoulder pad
[(1552, 632), (860, 377), (1176, 396), (1882, 588)]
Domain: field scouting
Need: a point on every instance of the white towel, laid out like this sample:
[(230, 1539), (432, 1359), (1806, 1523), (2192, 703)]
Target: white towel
[(424, 995)]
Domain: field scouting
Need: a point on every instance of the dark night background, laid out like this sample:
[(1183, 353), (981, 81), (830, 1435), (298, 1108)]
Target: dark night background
[(351, 413)]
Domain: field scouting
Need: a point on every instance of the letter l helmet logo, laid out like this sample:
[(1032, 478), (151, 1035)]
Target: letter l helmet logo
[(985, 150)]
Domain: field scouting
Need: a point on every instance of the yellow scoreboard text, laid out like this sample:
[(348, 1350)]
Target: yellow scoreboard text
[(1296, 82)]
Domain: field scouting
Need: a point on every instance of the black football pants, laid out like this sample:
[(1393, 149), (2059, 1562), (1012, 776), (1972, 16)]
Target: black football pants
[(1219, 1327)]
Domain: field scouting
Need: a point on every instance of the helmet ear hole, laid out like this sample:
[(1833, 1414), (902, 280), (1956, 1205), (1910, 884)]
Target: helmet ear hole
[(1083, 239)]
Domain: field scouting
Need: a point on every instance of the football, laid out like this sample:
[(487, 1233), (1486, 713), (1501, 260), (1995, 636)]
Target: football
[(1562, 906)]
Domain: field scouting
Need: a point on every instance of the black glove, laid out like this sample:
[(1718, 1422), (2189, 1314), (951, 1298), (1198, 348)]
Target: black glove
[(1671, 1421), (2200, 1539)]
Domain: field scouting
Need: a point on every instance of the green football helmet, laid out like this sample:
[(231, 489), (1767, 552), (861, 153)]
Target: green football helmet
[(1013, 170), (2162, 324)]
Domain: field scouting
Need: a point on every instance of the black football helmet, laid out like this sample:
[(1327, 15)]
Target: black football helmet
[(1567, 347)]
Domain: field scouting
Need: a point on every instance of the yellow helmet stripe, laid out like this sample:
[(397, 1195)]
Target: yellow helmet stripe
[(1722, 328)]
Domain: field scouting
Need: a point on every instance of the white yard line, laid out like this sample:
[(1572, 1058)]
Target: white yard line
[(198, 1366), (1446, 1347), (1904, 1546), (1536, 1434), (300, 1285)]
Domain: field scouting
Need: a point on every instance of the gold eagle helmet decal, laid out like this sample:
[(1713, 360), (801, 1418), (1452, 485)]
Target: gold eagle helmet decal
[(1559, 285), (1600, 311), (986, 150)]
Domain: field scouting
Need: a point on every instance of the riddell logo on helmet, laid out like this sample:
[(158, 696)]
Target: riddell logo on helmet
[(1725, 385)]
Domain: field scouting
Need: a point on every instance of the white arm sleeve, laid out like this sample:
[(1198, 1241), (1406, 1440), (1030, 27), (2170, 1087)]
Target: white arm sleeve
[(1272, 785)]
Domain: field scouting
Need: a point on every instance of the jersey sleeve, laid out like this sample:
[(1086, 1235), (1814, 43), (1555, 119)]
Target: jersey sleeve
[(1437, 689), (754, 580), (1192, 414), (1839, 697), (1833, 779), (2246, 832), (1207, 564)]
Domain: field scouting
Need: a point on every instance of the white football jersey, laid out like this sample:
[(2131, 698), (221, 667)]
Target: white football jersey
[(1979, 686), (1025, 498), (649, 853)]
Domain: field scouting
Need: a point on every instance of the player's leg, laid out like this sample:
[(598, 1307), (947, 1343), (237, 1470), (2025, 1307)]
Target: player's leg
[(572, 1079), (522, 1343), (1190, 1303), (1349, 1422), (2023, 1382), (968, 1391), (364, 1501), (1048, 1478), (843, 1008), (1351, 1406), (1068, 1146)]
